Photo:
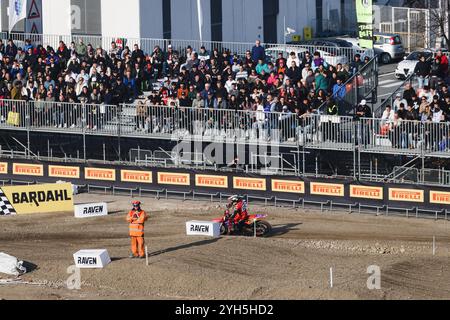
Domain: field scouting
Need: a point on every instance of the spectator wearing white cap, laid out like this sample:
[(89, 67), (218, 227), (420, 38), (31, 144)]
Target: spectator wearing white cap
[(398, 100), (363, 110)]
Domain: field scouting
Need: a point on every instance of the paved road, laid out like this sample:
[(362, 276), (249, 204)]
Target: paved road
[(388, 83)]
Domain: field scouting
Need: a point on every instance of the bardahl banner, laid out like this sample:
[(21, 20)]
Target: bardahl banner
[(39, 198), (172, 178), (288, 186), (327, 189), (136, 176), (27, 169), (440, 197), (3, 167), (203, 180), (100, 174), (363, 192), (258, 184), (406, 195), (64, 172)]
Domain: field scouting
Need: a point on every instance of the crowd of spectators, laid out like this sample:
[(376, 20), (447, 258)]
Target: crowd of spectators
[(426, 102), (81, 73)]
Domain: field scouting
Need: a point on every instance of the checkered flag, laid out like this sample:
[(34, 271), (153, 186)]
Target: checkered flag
[(6, 207)]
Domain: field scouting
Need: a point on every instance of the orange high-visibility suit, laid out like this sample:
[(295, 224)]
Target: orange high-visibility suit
[(137, 220)]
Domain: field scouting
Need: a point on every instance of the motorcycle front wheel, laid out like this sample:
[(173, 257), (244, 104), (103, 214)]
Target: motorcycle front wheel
[(223, 229)]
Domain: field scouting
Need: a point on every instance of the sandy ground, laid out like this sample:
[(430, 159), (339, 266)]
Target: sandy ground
[(293, 263)]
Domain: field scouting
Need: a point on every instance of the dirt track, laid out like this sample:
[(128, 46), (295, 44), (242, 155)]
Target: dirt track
[(293, 263)]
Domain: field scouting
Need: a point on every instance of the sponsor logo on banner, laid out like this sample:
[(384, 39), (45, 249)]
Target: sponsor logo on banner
[(44, 198), (202, 180), (91, 259), (100, 174), (64, 172), (28, 169), (249, 184), (202, 228), (288, 186), (409, 195), (136, 176), (176, 179), (327, 189), (3, 168), (91, 210), (440, 197), (364, 192)]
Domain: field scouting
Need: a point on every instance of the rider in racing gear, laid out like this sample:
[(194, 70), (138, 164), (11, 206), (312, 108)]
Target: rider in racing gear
[(240, 213)]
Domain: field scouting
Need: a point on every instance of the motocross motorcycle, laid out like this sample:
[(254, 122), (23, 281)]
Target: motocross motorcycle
[(263, 228)]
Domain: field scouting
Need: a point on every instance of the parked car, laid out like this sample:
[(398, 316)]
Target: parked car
[(407, 66), (364, 52), (391, 46), (334, 47), (272, 52)]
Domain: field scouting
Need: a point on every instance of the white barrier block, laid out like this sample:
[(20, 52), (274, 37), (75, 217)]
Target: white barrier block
[(91, 210), (92, 259), (203, 228)]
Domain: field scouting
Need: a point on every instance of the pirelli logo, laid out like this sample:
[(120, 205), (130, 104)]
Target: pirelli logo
[(202, 180), (288, 186), (3, 168), (327, 189), (176, 179), (375, 193), (28, 169), (136, 176), (440, 197), (407, 195), (100, 174), (249, 184), (64, 172)]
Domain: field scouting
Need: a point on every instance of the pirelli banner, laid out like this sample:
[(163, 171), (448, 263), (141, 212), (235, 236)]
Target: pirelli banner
[(210, 182), (41, 198)]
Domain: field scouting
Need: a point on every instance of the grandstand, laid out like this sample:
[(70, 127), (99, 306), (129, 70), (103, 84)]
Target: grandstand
[(80, 101)]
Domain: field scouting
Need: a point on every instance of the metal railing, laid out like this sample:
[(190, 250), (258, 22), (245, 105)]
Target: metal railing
[(373, 135), (147, 44), (405, 137), (426, 176), (329, 132)]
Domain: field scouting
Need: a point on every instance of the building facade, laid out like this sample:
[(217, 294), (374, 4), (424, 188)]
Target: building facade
[(223, 20)]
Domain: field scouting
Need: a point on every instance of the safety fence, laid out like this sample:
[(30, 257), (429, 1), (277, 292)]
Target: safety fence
[(345, 133), (337, 54), (427, 176), (414, 25), (405, 137)]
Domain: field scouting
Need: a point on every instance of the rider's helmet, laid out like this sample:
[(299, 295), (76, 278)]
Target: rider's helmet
[(136, 204), (233, 200)]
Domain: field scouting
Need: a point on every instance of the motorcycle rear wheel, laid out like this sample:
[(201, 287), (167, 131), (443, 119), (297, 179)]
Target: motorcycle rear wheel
[(263, 228)]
